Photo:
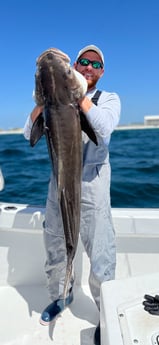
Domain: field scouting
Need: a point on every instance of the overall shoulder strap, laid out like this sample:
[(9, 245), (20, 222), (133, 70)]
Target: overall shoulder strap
[(96, 96), (85, 125)]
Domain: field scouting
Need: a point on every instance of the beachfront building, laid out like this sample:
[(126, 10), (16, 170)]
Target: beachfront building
[(151, 120)]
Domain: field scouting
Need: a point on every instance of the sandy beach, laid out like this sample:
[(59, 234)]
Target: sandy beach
[(11, 131), (120, 127)]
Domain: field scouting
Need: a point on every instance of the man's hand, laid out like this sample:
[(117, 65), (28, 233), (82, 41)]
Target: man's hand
[(151, 304), (36, 112)]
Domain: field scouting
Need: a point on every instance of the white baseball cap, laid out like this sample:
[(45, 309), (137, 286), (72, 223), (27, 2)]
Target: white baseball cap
[(91, 47)]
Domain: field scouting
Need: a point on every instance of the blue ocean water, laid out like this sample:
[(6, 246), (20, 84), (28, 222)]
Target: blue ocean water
[(134, 157)]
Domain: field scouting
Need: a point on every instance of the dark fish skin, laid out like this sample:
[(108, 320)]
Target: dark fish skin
[(54, 73), (64, 143), (58, 90)]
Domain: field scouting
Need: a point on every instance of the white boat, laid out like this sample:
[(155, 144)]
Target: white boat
[(23, 291), (1, 180)]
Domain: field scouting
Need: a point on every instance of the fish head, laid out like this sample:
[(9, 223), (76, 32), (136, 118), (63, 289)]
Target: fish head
[(56, 80)]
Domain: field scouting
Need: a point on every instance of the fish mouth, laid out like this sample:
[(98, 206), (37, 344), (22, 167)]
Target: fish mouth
[(59, 54)]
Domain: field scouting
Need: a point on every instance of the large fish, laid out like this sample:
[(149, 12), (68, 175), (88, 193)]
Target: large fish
[(58, 88)]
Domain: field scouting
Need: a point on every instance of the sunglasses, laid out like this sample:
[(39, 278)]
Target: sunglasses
[(86, 62)]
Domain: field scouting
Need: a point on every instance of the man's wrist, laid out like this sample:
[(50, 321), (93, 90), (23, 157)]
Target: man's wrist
[(85, 104), (36, 112)]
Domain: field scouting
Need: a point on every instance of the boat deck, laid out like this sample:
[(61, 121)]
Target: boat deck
[(20, 312), (23, 292)]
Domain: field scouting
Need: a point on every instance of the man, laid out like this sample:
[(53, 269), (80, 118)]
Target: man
[(96, 227)]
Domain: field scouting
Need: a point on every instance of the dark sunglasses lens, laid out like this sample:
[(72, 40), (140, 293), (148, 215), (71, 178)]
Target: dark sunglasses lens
[(96, 64), (84, 62)]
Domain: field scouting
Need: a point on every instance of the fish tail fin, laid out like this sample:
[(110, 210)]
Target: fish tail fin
[(68, 277)]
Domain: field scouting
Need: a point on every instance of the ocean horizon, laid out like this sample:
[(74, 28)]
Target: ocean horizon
[(134, 158), (119, 127)]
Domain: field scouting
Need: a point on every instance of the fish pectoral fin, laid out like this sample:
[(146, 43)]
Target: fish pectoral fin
[(87, 128), (37, 130)]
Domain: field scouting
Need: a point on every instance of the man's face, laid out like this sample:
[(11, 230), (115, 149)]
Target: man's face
[(91, 74)]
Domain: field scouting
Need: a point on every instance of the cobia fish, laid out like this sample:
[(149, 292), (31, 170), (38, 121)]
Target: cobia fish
[(58, 89)]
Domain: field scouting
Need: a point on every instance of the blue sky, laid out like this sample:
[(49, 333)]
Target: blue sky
[(126, 31)]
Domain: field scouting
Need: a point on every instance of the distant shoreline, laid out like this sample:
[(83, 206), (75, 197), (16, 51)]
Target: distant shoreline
[(11, 131), (122, 127), (137, 126)]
